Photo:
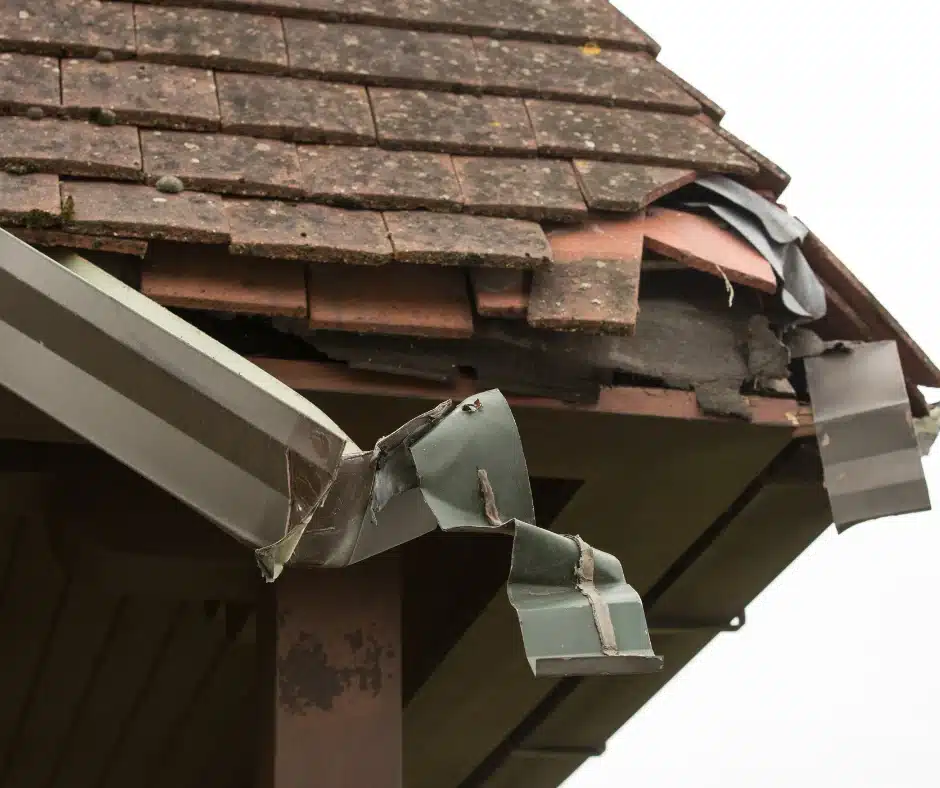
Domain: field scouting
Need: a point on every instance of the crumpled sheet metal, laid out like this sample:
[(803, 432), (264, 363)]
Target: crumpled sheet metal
[(871, 459), (772, 232), (462, 468)]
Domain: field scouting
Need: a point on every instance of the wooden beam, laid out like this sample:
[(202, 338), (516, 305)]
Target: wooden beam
[(621, 509), (314, 376), (330, 656)]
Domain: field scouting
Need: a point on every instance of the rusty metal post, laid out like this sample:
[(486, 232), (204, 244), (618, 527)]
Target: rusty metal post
[(330, 645)]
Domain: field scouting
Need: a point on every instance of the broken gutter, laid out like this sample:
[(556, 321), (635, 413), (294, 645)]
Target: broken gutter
[(272, 470)]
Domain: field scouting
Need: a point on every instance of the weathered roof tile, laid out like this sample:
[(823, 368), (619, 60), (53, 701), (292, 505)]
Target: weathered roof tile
[(146, 93), (771, 177), (452, 123), (67, 27), (137, 211), (28, 81), (295, 231), (71, 147), (297, 109), (209, 38), (593, 283), (390, 299), (455, 239), (223, 163), (579, 21), (523, 188), (31, 199), (612, 186), (588, 73), (95, 243), (219, 281), (500, 292), (380, 55), (376, 178), (634, 136)]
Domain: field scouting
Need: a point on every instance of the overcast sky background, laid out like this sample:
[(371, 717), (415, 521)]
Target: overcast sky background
[(834, 680)]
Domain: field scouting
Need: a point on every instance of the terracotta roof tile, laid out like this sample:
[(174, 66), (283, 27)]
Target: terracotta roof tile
[(523, 188), (71, 147), (452, 123), (223, 163), (390, 299), (307, 232), (145, 93), (376, 178), (208, 38), (500, 292), (612, 186), (702, 244), (454, 239), (593, 283), (626, 79), (224, 283), (576, 21), (28, 81), (95, 243), (297, 109), (380, 55), (33, 199), (67, 27), (634, 136), (137, 211)]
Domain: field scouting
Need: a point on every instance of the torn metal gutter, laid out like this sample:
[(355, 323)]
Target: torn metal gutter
[(273, 471)]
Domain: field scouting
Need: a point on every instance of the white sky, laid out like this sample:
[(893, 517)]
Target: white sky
[(834, 680)]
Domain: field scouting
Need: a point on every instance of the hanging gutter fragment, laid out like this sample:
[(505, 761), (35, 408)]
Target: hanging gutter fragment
[(871, 458), (273, 471)]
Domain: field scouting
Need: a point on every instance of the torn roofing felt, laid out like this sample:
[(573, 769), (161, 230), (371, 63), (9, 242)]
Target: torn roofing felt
[(769, 229), (272, 470)]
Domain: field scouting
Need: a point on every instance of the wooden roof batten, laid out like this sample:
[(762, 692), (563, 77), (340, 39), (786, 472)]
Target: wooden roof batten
[(385, 204)]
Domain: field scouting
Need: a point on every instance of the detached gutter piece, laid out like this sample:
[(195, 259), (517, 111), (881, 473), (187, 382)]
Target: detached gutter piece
[(771, 231), (870, 454)]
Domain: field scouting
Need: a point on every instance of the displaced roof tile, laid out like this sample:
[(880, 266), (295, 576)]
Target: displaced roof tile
[(31, 199), (225, 283), (524, 188), (307, 232), (71, 147), (27, 81), (297, 109), (95, 243), (452, 123), (593, 283), (137, 211), (626, 79), (702, 244), (223, 163), (380, 55), (612, 186), (500, 292), (633, 135), (390, 299), (207, 38), (67, 27), (454, 239), (376, 178), (146, 93)]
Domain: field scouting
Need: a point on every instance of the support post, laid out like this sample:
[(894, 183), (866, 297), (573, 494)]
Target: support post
[(330, 645)]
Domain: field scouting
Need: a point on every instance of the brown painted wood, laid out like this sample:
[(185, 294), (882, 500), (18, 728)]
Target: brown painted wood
[(331, 678), (620, 509)]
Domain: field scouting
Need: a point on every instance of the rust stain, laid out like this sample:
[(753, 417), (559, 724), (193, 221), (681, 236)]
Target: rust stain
[(309, 677)]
